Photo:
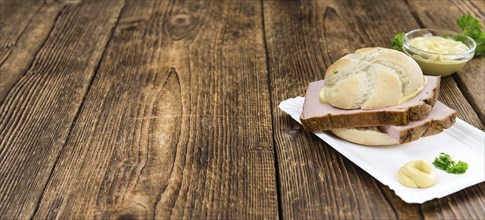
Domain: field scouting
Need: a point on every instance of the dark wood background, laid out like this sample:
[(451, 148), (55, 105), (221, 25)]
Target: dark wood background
[(158, 109)]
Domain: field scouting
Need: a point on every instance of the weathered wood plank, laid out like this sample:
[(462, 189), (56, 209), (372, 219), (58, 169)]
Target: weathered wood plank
[(470, 79), (19, 55), (36, 115), (14, 18), (177, 122), (303, 38)]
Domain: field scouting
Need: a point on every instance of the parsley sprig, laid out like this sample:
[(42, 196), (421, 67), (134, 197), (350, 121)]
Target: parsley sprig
[(445, 163), (397, 41), (473, 28)]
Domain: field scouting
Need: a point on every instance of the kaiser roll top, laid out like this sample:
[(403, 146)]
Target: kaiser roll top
[(372, 78)]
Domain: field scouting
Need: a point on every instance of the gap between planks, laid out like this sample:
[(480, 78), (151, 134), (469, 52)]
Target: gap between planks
[(275, 151)]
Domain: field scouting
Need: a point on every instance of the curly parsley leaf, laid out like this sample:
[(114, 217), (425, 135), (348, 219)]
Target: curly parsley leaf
[(473, 28), (445, 163), (458, 168), (397, 41)]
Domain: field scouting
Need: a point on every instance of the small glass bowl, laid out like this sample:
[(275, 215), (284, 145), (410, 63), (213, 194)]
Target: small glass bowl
[(438, 64)]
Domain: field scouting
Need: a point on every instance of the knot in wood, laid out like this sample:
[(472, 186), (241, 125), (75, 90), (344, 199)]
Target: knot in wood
[(181, 19), (180, 25)]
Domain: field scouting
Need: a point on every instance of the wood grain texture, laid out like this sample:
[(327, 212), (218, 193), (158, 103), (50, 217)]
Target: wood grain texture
[(20, 54), (37, 113), (176, 124), (14, 18), (303, 38), (471, 78)]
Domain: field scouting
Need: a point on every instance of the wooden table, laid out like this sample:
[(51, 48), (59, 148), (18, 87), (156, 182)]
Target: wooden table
[(158, 109)]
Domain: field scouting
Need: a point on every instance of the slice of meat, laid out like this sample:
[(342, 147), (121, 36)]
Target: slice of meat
[(321, 117), (441, 117)]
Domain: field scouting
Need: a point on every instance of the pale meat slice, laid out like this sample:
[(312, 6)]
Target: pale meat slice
[(321, 117), (440, 118)]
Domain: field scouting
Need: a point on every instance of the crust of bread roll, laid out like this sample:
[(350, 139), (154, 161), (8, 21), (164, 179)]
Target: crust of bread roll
[(368, 78), (365, 136)]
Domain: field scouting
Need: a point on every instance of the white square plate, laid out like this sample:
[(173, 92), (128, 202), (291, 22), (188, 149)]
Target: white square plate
[(462, 142)]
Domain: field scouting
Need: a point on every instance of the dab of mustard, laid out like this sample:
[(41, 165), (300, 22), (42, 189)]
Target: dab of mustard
[(417, 174), (413, 94), (321, 95)]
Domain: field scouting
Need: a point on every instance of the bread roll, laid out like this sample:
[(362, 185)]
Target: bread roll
[(371, 78)]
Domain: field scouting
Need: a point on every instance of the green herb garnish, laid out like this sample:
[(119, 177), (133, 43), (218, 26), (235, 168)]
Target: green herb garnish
[(458, 168), (397, 41), (445, 163), (473, 28)]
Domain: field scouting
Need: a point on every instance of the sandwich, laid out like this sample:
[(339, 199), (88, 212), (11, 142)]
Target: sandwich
[(376, 96)]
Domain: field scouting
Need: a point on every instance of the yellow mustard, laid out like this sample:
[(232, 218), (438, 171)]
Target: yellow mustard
[(417, 174), (439, 45), (321, 95), (445, 57), (413, 94)]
